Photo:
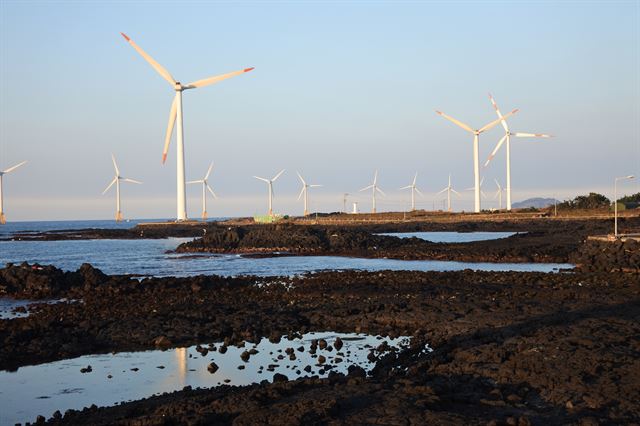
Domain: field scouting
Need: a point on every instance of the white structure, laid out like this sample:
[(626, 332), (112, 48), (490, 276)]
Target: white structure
[(507, 138), (117, 178), (615, 202), (3, 219), (476, 135), (413, 189), (176, 115), (374, 188), (355, 208), (449, 189), (205, 187), (270, 185), (305, 191), (482, 194), (344, 202), (498, 194)]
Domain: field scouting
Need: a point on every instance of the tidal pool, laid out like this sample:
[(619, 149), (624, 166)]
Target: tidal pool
[(452, 237), (42, 389)]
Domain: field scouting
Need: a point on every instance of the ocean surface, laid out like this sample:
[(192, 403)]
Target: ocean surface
[(153, 257)]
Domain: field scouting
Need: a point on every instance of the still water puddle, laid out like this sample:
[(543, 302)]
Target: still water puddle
[(113, 378), (13, 308), (453, 237)]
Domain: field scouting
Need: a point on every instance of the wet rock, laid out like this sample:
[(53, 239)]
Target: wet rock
[(212, 367), (245, 356), (338, 343), (162, 342), (322, 344), (86, 369), (223, 349), (277, 378), (321, 359)]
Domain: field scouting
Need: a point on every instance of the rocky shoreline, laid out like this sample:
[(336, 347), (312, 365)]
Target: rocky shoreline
[(509, 348)]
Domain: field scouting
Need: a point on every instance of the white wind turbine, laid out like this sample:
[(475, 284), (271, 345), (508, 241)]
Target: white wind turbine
[(270, 185), (414, 189), (176, 115), (205, 187), (482, 194), (3, 219), (507, 138), (476, 135), (304, 190), (116, 179), (374, 188), (499, 194), (449, 189)]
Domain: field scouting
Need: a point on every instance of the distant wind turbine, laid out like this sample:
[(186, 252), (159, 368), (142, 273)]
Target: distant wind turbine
[(476, 135), (498, 194), (305, 191), (507, 137), (176, 115), (414, 189), (374, 188), (449, 189), (205, 187), (344, 202), (270, 185), (482, 194), (3, 219), (116, 179)]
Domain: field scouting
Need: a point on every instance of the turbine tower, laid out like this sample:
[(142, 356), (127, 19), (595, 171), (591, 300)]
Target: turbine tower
[(507, 138), (498, 194), (304, 190), (374, 188), (476, 135), (270, 185), (3, 219), (116, 179), (449, 189), (414, 189), (205, 187), (176, 115)]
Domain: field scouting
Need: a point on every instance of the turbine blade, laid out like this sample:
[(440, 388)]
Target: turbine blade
[(131, 180), (110, 185), (375, 177), (380, 191), (301, 179), (495, 106), (498, 184), (115, 166), (419, 192), (172, 122), (156, 66), (495, 122), (278, 175), (493, 153), (415, 178), (406, 187), (301, 192), (532, 135), (211, 80), (315, 186), (456, 192), (208, 171), (368, 187), (212, 193), (10, 169), (195, 181), (454, 121), (444, 190), (262, 179)]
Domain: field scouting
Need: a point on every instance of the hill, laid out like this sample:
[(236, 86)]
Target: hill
[(537, 203)]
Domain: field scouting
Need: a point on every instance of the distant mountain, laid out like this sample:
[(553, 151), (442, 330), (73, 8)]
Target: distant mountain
[(538, 203)]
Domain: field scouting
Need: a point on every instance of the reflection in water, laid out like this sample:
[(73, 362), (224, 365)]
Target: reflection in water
[(45, 388), (453, 237)]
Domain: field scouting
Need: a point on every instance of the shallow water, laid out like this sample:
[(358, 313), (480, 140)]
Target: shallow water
[(148, 257), (7, 306), (452, 237), (45, 388)]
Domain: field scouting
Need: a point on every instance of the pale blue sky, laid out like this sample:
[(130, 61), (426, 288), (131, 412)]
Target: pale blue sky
[(339, 89)]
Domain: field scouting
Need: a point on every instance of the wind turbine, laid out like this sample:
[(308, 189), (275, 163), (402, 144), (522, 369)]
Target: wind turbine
[(414, 189), (205, 187), (498, 194), (482, 194), (507, 137), (270, 184), (344, 202), (116, 179), (476, 136), (176, 115), (304, 190), (3, 219), (374, 188), (449, 189)]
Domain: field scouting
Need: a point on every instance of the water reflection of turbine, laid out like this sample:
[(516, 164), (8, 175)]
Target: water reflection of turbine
[(181, 356)]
